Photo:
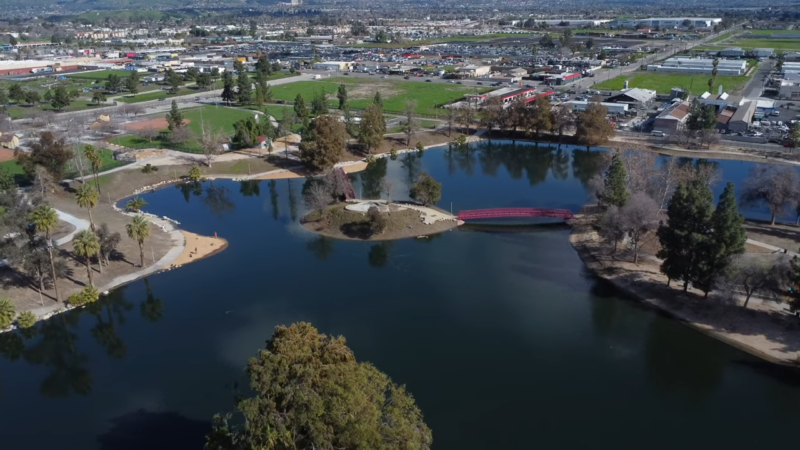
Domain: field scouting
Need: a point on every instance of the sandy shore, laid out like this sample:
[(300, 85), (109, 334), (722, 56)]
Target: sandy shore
[(198, 247), (760, 331)]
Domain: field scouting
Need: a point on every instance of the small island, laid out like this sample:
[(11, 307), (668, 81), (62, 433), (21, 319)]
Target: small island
[(335, 213)]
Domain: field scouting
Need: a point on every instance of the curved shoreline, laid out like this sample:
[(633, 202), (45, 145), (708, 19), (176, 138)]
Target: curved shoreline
[(581, 238)]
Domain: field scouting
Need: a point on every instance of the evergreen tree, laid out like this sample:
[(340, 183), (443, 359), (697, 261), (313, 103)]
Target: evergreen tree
[(300, 109), (341, 94), (228, 92), (174, 117), (378, 100), (60, 98), (728, 238), (319, 105), (245, 93), (615, 184), (687, 232)]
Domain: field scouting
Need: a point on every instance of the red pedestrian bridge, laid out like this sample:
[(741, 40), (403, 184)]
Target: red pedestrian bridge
[(498, 213)]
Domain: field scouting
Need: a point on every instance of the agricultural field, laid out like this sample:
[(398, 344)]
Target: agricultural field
[(663, 82), (395, 93)]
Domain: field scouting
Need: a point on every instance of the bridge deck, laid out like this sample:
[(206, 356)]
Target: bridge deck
[(496, 213)]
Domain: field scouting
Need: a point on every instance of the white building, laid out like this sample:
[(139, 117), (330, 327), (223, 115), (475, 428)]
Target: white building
[(732, 52), (335, 66), (668, 22), (613, 108), (763, 52), (789, 90), (700, 65)]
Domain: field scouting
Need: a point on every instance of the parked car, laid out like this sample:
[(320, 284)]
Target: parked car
[(428, 80), (776, 113), (658, 133)]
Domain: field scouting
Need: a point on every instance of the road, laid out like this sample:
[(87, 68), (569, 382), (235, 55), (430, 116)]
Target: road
[(755, 86)]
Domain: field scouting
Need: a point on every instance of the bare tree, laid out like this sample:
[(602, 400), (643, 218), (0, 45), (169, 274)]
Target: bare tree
[(386, 188), (776, 186), (43, 183), (211, 141), (180, 135), (758, 273), (318, 197), (639, 218), (146, 134), (612, 226), (563, 119), (451, 116), (411, 124)]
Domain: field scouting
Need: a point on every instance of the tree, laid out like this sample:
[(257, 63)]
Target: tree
[(318, 197), (7, 313), (376, 221), (174, 80), (139, 230), (341, 94), (612, 226), (108, 241), (26, 320), (563, 118), (211, 142), (566, 38), (247, 131), (195, 174), (132, 83), (334, 402), (426, 189), (15, 92), (95, 163), (539, 115), (51, 153), (60, 98), (589, 44), (615, 184), (372, 128), (779, 60), (378, 100), (228, 88), (87, 197), (492, 112), (86, 244), (204, 80), (98, 97), (776, 186), (32, 97), (687, 231), (45, 219), (3, 99), (245, 94), (592, 127), (113, 82), (174, 117), (411, 124), (639, 219), (327, 144), (300, 109), (135, 204), (728, 239)]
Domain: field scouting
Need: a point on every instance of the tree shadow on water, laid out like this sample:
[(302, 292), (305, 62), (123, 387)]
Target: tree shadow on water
[(154, 431)]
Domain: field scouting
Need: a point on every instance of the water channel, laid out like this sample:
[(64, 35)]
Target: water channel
[(501, 335)]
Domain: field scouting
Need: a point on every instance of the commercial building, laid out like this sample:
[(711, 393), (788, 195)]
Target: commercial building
[(740, 121), (672, 119), (789, 90), (635, 97), (668, 22), (700, 65), (335, 66), (613, 108), (472, 71), (763, 52), (732, 52)]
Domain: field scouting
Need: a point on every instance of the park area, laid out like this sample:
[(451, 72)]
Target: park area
[(10, 165), (663, 82), (216, 117), (395, 93)]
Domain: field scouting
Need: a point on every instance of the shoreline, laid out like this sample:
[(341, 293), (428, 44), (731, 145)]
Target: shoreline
[(582, 238)]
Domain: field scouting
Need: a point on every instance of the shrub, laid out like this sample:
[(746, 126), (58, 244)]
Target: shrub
[(393, 153), (6, 313), (420, 149), (149, 168), (377, 223), (88, 295), (26, 320), (195, 174)]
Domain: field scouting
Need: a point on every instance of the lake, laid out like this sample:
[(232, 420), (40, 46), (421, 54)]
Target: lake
[(500, 333)]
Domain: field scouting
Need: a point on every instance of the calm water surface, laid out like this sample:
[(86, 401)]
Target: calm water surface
[(501, 335)]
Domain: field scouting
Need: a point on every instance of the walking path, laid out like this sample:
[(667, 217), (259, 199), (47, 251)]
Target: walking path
[(772, 247), (79, 225)]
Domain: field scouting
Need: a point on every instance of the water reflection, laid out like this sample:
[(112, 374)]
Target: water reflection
[(379, 254), (217, 199), (154, 431), (193, 188), (321, 247), (250, 188), (372, 178), (273, 199), (152, 308), (292, 200)]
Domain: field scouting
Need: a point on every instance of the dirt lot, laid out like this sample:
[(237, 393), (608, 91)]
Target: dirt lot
[(158, 123), (6, 154)]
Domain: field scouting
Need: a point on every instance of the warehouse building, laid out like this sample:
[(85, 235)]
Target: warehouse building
[(668, 22), (634, 97), (672, 119), (763, 52), (613, 108), (789, 90), (740, 121), (732, 52), (335, 66), (700, 65)]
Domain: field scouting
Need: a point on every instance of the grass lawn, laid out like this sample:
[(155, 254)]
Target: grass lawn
[(662, 82), (106, 155), (154, 96), (722, 37), (275, 76), (100, 75), (769, 32), (393, 91), (13, 167), (777, 44)]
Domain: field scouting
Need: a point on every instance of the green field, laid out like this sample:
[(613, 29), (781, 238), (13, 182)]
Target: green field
[(393, 91), (777, 44), (663, 82), (149, 96), (216, 117), (100, 75), (722, 37), (769, 32), (106, 155)]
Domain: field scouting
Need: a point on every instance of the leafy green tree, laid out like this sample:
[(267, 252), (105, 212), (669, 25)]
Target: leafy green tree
[(300, 109), (139, 230), (687, 232), (195, 174), (174, 117), (592, 127), (327, 143), (319, 105), (335, 402), (7, 313), (98, 97), (228, 88), (378, 100), (113, 82), (132, 83), (45, 220), (247, 131), (87, 197), (204, 80), (32, 97), (86, 244), (135, 204), (341, 94), (615, 184), (51, 153), (539, 116), (3, 99), (426, 189), (60, 98), (372, 128), (15, 92), (245, 94)]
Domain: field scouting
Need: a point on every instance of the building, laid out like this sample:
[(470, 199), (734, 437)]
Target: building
[(672, 119), (763, 52), (789, 90), (336, 66), (9, 140), (668, 22), (700, 66), (732, 52), (635, 97), (472, 71), (561, 79), (613, 108), (740, 121)]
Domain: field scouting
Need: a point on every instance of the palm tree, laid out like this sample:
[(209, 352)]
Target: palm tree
[(45, 219), (135, 204), (86, 244), (139, 230), (95, 161), (87, 197)]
